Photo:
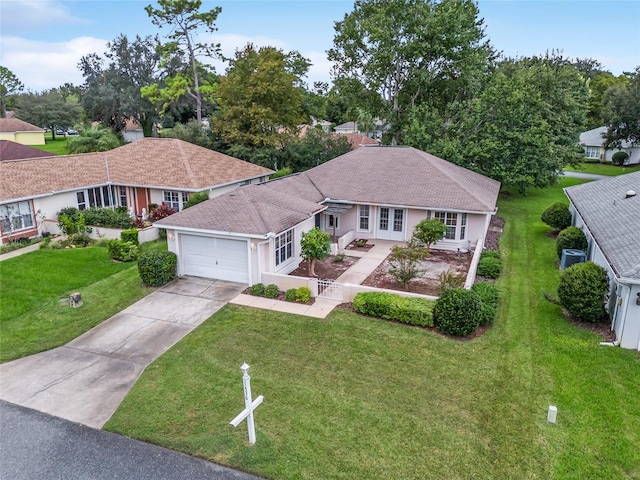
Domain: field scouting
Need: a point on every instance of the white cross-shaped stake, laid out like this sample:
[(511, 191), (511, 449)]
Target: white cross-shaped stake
[(250, 406)]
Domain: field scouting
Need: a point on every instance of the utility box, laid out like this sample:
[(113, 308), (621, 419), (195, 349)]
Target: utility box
[(571, 256)]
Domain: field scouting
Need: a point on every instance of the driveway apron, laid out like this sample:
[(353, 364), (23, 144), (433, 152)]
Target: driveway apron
[(86, 380)]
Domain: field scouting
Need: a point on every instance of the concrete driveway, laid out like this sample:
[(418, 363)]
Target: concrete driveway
[(86, 380)]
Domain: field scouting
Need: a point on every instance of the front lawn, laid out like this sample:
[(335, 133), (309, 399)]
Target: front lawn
[(34, 289), (603, 169), (354, 397), (57, 146)]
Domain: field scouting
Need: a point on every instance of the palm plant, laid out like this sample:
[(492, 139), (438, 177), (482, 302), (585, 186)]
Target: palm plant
[(94, 139)]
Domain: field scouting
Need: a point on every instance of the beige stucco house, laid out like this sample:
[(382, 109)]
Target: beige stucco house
[(151, 170), (373, 192)]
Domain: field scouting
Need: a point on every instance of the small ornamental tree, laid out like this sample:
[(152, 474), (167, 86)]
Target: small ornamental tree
[(557, 216), (404, 262), (571, 237), (582, 291), (619, 158), (314, 245), (429, 231)]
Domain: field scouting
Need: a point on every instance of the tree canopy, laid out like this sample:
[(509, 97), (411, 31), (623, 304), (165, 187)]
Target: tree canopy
[(622, 111), (112, 90), (186, 22), (49, 109), (9, 85), (260, 104)]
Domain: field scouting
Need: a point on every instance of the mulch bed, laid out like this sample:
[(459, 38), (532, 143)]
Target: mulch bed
[(429, 284), (326, 269), (496, 225), (600, 328), (354, 245)]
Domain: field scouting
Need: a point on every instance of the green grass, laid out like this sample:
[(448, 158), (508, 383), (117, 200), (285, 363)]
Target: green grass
[(32, 316), (354, 397), (57, 146), (603, 169)]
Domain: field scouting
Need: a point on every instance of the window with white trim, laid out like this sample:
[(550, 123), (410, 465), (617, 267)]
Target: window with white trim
[(363, 218), (332, 221), (592, 152), (123, 196), (284, 247), (16, 216), (175, 199), (98, 197), (456, 224)]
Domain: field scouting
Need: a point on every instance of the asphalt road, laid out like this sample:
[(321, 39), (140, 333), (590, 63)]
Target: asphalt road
[(34, 445)]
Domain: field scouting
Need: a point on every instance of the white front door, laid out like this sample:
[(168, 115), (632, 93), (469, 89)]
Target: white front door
[(391, 223)]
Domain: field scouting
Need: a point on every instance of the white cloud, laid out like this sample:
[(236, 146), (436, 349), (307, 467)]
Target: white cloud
[(44, 65), (33, 15)]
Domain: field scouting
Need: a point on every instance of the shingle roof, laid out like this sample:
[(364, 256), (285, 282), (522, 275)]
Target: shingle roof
[(403, 176), (377, 175), (151, 162), (356, 140), (594, 138), (8, 125), (614, 221), (254, 210), (15, 151)]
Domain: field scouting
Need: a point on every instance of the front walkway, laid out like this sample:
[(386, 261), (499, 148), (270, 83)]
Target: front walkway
[(356, 274), (86, 380)]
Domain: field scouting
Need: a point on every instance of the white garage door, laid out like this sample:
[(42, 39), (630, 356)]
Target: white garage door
[(219, 258)]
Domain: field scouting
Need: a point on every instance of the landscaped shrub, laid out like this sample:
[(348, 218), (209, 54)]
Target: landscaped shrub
[(404, 262), (490, 254), (489, 267), (619, 158), (488, 294), (390, 306), (303, 295), (557, 216), (74, 227), (283, 172), (130, 235), (123, 251), (160, 212), (458, 312), (582, 291), (157, 268), (271, 291), (571, 237), (106, 217), (196, 198), (290, 295), (257, 290)]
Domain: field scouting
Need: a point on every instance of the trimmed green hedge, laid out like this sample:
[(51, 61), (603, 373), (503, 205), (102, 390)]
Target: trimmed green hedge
[(458, 312), (571, 237), (488, 294), (157, 268), (557, 216), (123, 251), (489, 267), (582, 291), (390, 306), (271, 291), (130, 235)]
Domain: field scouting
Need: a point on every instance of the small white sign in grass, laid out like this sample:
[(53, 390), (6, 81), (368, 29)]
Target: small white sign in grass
[(250, 405)]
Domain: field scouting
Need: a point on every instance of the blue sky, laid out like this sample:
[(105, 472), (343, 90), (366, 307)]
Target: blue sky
[(41, 41)]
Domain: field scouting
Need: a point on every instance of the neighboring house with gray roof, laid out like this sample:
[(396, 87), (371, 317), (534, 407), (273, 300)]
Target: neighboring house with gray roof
[(608, 211), (593, 143), (148, 171), (372, 192)]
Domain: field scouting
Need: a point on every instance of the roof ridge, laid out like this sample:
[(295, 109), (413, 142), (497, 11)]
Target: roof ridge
[(253, 210), (186, 161)]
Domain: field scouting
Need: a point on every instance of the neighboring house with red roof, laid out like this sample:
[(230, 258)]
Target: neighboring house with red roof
[(373, 192), (608, 212), (151, 170), (15, 151), (358, 140), (22, 132)]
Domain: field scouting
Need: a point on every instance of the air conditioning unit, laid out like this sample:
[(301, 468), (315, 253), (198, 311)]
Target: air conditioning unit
[(571, 256)]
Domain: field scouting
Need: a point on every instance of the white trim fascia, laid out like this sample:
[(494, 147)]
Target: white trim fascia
[(209, 233), (414, 207), (57, 192)]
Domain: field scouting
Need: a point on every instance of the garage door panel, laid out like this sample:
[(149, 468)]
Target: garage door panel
[(219, 258)]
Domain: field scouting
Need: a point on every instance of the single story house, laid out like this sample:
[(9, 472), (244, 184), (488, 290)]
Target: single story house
[(132, 131), (22, 132), (373, 192), (148, 171), (593, 143), (15, 151), (608, 211), (352, 127)]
